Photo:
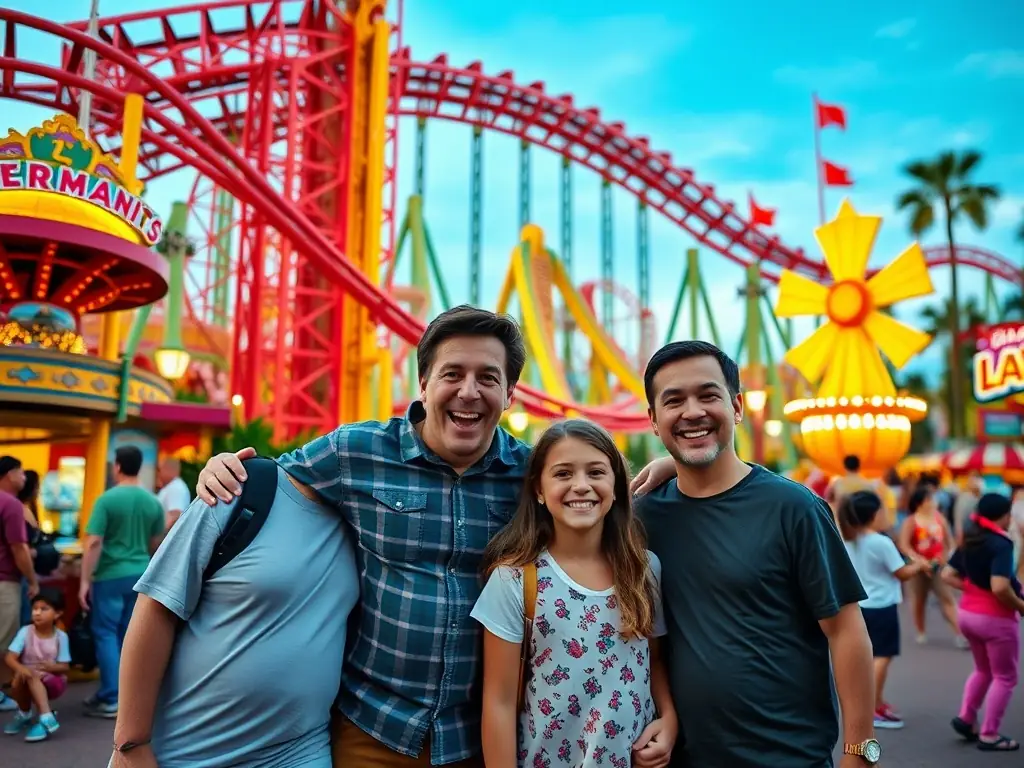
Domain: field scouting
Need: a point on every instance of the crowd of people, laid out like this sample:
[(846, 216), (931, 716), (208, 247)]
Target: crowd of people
[(430, 590), (126, 525)]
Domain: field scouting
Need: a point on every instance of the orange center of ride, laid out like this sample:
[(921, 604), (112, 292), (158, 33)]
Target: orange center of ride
[(848, 303)]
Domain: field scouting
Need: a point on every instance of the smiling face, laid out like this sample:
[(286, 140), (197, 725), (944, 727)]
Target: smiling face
[(577, 485), (464, 394), (694, 413)]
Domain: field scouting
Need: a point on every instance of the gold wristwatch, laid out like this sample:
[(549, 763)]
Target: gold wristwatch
[(870, 750)]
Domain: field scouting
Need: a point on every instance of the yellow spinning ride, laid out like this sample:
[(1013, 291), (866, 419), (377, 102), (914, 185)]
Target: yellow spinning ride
[(856, 410)]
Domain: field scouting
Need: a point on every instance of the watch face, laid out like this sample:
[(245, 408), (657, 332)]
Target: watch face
[(872, 751)]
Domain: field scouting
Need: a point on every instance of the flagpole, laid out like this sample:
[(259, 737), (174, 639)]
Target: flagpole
[(817, 159)]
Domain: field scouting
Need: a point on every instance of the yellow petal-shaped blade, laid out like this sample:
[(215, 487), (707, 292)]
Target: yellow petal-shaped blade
[(898, 341), (855, 367), (799, 295), (847, 241), (904, 277), (812, 355)]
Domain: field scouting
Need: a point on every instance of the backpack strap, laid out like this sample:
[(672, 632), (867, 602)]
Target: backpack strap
[(249, 514), (529, 609)]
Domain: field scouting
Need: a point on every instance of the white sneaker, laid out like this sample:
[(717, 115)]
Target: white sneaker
[(961, 642), (922, 639)]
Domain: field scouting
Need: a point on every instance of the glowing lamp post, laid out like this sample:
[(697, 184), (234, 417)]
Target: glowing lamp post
[(856, 410), (172, 363), (172, 358)]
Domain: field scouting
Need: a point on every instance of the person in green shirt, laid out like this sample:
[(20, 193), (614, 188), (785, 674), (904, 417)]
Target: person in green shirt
[(124, 530)]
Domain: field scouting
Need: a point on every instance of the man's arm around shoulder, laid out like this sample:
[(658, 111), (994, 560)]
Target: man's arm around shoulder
[(314, 469)]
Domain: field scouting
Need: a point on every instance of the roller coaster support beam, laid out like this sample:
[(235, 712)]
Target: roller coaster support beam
[(414, 229), (369, 71), (476, 194), (524, 183), (764, 375), (565, 227), (607, 257), (420, 275), (421, 156), (223, 216), (692, 285), (643, 254)]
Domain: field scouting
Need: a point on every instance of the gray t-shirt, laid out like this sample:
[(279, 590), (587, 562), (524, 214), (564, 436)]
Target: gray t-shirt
[(256, 665)]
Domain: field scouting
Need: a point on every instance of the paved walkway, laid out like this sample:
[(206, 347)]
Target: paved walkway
[(925, 685)]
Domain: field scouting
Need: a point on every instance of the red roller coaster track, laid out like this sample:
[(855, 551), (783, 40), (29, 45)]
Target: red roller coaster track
[(276, 76)]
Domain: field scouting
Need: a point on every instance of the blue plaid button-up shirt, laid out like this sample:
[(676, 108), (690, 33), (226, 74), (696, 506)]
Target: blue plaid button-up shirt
[(414, 665)]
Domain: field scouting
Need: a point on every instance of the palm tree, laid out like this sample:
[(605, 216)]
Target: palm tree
[(943, 184)]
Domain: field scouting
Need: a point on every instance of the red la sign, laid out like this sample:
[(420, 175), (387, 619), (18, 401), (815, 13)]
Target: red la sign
[(999, 362)]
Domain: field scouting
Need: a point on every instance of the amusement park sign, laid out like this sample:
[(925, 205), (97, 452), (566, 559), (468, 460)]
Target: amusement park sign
[(39, 176), (999, 362)]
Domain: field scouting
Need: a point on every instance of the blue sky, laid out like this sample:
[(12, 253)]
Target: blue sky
[(727, 90)]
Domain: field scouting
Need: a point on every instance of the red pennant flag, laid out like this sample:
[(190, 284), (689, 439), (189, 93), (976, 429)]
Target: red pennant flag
[(760, 216), (830, 114), (835, 175)]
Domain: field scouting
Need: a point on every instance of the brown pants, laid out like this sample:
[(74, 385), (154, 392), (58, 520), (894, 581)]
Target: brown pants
[(351, 747)]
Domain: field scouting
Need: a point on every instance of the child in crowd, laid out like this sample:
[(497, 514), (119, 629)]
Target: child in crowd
[(990, 610), (881, 568), (597, 689), (39, 656)]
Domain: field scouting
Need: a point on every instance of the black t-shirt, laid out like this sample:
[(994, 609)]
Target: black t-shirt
[(990, 556), (746, 576)]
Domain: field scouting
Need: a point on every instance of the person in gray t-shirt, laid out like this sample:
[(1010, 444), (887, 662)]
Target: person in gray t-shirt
[(241, 670)]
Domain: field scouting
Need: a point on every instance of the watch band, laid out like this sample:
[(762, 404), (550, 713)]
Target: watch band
[(869, 750)]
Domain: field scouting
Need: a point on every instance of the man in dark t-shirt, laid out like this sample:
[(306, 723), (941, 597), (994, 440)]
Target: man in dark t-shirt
[(757, 586)]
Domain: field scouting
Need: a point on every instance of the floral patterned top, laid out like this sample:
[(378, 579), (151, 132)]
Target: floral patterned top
[(589, 692)]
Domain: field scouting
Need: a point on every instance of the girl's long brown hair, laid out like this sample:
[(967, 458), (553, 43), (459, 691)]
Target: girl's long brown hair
[(622, 540)]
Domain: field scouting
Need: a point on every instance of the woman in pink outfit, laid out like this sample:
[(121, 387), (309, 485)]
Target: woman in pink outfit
[(990, 609)]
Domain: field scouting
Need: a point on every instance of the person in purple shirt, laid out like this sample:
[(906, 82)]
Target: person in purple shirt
[(15, 561)]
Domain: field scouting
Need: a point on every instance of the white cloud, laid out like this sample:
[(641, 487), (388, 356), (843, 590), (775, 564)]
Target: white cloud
[(994, 64), (851, 74), (897, 29)]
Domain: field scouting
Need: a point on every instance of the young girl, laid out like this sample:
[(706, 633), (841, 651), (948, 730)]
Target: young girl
[(881, 568), (39, 656), (990, 610), (925, 536), (597, 689)]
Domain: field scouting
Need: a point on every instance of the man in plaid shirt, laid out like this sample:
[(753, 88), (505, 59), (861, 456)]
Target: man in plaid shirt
[(424, 494)]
